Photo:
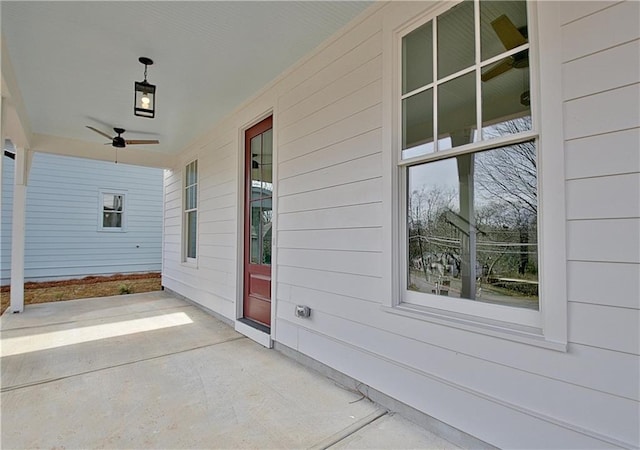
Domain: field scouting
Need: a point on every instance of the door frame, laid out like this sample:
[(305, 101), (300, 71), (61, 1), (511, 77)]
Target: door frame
[(254, 333)]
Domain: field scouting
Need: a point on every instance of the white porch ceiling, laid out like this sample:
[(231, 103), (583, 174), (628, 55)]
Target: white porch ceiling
[(76, 62)]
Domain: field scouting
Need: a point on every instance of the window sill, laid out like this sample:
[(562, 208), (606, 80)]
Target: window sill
[(473, 324), (111, 230), (190, 264)]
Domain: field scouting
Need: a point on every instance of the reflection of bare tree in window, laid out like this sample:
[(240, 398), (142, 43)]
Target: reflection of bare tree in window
[(502, 265), (507, 177), (428, 229)]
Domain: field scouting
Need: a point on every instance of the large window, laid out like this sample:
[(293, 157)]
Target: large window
[(468, 158), (111, 215), (190, 221)]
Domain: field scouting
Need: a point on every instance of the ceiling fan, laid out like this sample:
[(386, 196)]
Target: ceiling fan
[(120, 142), (511, 37)]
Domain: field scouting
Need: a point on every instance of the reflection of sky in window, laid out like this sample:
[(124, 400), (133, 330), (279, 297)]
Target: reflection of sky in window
[(436, 176), (443, 176)]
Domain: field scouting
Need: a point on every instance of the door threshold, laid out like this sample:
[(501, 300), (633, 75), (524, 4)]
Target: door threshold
[(254, 331)]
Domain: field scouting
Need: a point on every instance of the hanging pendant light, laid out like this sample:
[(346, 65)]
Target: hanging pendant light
[(145, 94)]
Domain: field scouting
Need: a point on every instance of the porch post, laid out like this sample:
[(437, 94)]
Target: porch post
[(18, 230), (466, 169), (468, 239)]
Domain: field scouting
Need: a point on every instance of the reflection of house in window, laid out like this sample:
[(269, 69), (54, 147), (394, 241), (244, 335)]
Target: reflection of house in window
[(261, 214), (112, 211)]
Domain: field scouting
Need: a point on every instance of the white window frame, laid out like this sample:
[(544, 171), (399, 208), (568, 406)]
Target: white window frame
[(548, 326), (185, 224), (101, 194)]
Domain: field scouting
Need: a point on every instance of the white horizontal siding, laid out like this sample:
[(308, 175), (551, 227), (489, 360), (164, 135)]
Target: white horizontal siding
[(601, 78), (615, 240), (357, 124), (601, 68), (349, 285), (572, 10), (349, 83), (605, 327), (352, 193), (63, 239), (620, 105), (359, 146), (346, 55), (331, 235), (605, 284), (345, 262), (604, 197), (358, 216), (620, 21), (354, 239), (608, 154)]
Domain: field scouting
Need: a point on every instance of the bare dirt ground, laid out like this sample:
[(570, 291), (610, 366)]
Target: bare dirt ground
[(93, 286)]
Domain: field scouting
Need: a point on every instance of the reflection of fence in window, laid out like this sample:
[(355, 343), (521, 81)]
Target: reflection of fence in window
[(473, 218), (497, 264)]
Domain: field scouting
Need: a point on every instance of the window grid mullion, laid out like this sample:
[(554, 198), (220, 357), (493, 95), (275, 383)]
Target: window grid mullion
[(503, 55), (476, 10), (474, 147), (443, 80), (435, 86)]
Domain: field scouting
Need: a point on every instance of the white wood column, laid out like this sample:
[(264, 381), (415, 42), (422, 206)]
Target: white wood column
[(18, 230)]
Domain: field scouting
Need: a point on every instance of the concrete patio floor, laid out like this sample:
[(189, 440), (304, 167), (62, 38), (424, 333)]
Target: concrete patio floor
[(152, 371)]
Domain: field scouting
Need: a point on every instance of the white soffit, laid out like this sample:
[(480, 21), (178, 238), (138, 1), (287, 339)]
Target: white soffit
[(76, 61)]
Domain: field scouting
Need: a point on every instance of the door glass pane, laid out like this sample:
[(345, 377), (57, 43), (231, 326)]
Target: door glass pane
[(472, 227), (457, 112), (417, 58), (266, 218), (417, 124), (267, 163), (505, 99), (256, 164), (503, 26), (254, 250), (456, 39)]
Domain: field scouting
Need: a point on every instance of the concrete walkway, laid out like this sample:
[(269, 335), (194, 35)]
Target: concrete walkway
[(151, 371)]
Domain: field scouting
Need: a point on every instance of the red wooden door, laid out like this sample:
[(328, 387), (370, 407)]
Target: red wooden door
[(257, 222)]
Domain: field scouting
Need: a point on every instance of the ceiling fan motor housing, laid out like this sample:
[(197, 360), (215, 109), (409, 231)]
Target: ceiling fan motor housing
[(119, 142)]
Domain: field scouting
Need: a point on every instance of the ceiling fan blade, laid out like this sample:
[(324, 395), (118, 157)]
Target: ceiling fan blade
[(507, 32), (100, 132), (498, 69), (141, 141)]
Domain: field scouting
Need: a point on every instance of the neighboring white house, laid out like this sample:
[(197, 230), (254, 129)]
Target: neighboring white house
[(441, 201), (85, 218), (348, 156)]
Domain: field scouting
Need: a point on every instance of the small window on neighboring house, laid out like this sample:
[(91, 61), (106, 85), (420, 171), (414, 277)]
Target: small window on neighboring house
[(190, 221), (112, 211)]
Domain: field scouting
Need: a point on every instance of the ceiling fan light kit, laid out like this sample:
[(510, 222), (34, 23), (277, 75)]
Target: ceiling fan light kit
[(144, 94)]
